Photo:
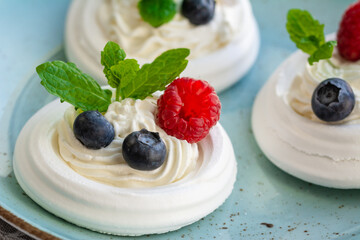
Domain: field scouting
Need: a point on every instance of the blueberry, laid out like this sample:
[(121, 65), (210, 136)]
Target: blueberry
[(333, 100), (198, 11), (144, 150), (93, 130)]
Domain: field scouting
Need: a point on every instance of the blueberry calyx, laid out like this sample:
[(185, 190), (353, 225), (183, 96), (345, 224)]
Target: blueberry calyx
[(93, 130), (198, 12), (333, 100), (144, 150), (328, 94)]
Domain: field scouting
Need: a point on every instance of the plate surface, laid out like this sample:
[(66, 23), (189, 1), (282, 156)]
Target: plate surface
[(262, 194)]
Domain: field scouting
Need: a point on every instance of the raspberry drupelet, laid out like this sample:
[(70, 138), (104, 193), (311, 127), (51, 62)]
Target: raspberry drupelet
[(348, 36), (188, 109)]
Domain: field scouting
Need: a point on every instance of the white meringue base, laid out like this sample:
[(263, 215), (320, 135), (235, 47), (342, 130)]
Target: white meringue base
[(50, 182), (316, 152), (221, 68)]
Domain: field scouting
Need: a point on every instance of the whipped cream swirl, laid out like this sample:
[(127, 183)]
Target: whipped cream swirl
[(107, 165), (121, 22), (304, 84)]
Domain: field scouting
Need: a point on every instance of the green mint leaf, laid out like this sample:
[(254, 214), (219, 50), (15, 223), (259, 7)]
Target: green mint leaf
[(306, 32), (155, 76), (67, 82), (112, 80), (157, 12), (324, 52), (111, 56), (125, 71)]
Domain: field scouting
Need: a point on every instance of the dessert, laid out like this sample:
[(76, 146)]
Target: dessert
[(102, 160), (306, 117), (224, 41)]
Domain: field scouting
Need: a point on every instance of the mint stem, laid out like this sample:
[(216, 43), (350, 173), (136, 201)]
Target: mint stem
[(331, 64), (117, 94)]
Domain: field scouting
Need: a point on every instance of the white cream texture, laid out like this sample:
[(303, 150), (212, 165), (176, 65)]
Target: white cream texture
[(52, 183), (107, 165), (317, 152), (304, 84), (121, 22)]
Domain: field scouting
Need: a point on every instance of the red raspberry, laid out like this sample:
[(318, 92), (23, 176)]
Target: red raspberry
[(348, 36), (188, 109)]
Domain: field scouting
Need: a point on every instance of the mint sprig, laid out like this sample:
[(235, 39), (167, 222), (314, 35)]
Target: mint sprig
[(67, 82), (323, 52), (308, 35), (131, 81), (157, 12)]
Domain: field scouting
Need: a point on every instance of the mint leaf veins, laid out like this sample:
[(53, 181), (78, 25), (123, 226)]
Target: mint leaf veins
[(308, 35), (131, 81), (67, 82), (157, 12), (156, 75), (111, 56), (124, 72)]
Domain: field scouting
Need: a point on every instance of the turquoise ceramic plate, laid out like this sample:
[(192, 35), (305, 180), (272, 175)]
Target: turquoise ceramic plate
[(32, 33)]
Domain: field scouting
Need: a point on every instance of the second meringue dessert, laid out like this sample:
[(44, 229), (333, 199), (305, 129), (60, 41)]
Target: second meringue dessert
[(222, 35), (144, 155), (306, 117)]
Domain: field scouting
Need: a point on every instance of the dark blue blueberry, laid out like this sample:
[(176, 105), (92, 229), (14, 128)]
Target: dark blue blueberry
[(333, 100), (144, 150), (93, 130), (198, 11)]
